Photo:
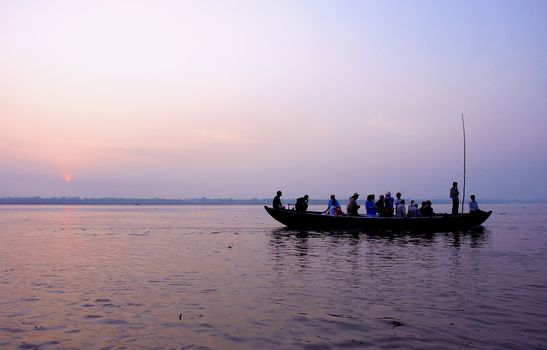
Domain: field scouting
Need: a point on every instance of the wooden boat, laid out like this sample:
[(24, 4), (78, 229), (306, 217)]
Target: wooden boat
[(319, 221)]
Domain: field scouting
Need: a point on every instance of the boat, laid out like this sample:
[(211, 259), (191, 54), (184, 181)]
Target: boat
[(318, 221)]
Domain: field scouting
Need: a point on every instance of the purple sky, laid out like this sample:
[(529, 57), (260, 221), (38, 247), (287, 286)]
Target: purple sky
[(242, 98)]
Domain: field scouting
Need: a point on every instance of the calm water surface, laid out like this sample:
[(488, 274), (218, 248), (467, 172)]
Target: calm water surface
[(230, 277)]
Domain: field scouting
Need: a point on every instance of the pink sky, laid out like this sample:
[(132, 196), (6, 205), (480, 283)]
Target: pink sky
[(242, 98)]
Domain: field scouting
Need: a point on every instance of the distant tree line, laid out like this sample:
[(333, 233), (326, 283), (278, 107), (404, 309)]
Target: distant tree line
[(128, 201), (147, 201), (195, 201)]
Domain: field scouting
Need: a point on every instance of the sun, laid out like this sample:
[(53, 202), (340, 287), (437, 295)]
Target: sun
[(68, 178)]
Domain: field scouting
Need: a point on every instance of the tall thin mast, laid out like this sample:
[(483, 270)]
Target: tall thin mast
[(463, 198)]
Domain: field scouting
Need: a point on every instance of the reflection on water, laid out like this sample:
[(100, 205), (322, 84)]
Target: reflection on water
[(475, 237), (376, 281), (229, 277)]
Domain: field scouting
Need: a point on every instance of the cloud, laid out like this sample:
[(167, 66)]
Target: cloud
[(219, 135)]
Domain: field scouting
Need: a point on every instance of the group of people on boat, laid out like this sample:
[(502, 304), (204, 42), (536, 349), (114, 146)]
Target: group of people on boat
[(385, 206)]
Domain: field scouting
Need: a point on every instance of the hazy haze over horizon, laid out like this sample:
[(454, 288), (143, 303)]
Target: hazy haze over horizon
[(242, 98)]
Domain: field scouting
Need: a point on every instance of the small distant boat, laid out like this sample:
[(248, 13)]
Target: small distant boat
[(319, 221)]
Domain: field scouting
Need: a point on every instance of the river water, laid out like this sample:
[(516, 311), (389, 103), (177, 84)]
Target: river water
[(230, 277)]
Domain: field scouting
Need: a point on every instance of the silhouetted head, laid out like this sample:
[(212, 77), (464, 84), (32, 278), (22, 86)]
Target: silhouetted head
[(398, 195), (333, 197), (306, 196), (402, 201), (279, 193), (412, 202), (472, 197), (355, 195), (382, 197), (454, 184), (428, 202)]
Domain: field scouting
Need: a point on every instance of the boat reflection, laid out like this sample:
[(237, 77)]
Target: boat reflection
[(353, 258), (304, 240)]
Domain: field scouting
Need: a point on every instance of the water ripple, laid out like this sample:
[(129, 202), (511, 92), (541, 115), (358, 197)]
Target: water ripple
[(228, 277)]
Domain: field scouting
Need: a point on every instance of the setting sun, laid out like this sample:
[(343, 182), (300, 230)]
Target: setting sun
[(68, 178)]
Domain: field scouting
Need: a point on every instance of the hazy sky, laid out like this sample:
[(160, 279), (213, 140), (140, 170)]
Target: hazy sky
[(183, 99)]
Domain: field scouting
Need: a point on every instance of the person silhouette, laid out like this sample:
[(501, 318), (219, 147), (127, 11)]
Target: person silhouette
[(455, 195), (302, 204), (276, 204)]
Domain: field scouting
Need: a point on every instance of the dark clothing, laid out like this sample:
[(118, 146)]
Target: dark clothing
[(301, 204), (454, 193), (276, 204), (427, 211), (388, 211), (455, 205), (353, 207), (380, 207)]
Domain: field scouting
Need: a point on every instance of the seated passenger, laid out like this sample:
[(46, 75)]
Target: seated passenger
[(401, 209), (332, 202), (418, 212), (371, 206), (276, 204), (352, 206), (473, 205), (301, 204), (380, 205), (335, 211), (428, 210), (413, 210), (421, 210), (410, 209), (388, 211)]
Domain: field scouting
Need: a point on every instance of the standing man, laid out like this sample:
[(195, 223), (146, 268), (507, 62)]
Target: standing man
[(276, 204), (454, 194)]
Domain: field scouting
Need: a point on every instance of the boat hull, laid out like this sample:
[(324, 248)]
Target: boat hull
[(318, 221)]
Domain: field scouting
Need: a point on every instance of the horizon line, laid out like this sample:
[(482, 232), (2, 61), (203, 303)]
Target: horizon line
[(206, 200)]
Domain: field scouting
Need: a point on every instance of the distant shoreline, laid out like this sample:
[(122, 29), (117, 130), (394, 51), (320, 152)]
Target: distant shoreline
[(203, 201)]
